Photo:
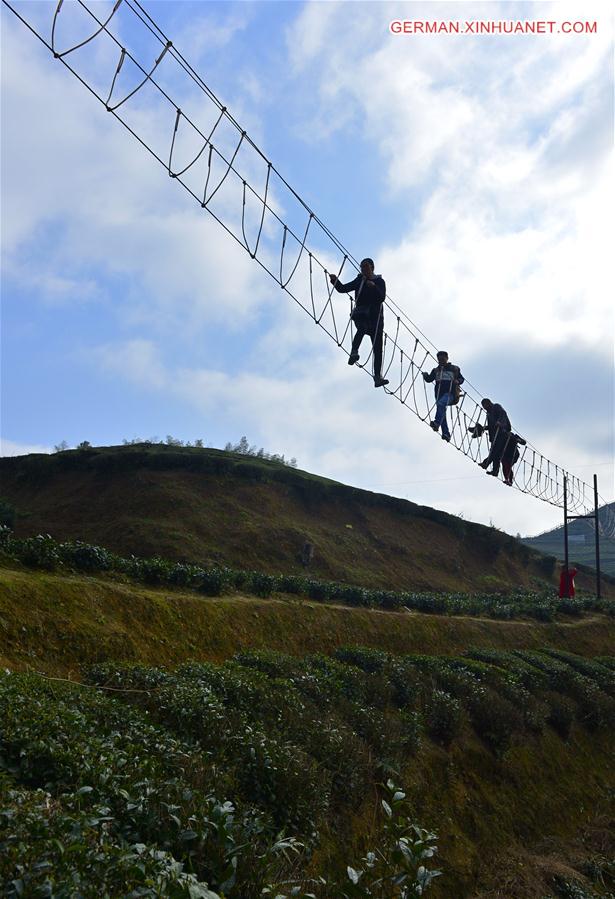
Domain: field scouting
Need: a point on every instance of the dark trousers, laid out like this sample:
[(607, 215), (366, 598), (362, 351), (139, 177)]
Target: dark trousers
[(497, 450), (375, 331), (509, 458), (504, 450)]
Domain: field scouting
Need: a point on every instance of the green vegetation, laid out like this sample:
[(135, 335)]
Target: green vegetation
[(247, 779), (242, 447), (237, 510), (247, 711), (46, 553)]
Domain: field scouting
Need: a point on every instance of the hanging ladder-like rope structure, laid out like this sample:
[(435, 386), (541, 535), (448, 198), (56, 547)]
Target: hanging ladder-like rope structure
[(219, 165)]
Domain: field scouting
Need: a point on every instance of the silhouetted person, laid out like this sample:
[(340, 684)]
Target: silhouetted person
[(448, 378), (367, 314), (510, 456), (500, 438)]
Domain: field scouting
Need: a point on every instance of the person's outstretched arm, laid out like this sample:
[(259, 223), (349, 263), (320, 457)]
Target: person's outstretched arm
[(345, 288)]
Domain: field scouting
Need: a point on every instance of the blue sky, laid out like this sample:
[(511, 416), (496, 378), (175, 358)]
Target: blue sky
[(474, 170)]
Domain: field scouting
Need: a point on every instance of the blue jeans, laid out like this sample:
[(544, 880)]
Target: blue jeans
[(440, 418)]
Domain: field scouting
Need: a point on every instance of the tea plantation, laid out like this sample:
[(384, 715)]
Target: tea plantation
[(249, 778)]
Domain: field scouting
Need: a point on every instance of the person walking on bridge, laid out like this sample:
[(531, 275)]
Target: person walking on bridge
[(367, 314), (500, 436), (448, 379)]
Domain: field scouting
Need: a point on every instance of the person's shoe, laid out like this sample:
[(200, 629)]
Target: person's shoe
[(444, 437), (484, 464), (354, 357), (494, 473), (434, 425), (380, 382)]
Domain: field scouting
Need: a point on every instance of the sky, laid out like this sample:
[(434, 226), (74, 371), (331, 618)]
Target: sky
[(474, 168)]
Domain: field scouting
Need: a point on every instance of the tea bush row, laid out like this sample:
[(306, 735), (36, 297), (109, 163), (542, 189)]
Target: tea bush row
[(46, 553), (115, 794), (128, 782), (293, 745), (54, 847), (503, 693)]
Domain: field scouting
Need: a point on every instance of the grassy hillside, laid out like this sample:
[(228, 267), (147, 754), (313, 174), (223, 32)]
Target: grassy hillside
[(57, 622), (517, 800), (209, 506), (139, 698)]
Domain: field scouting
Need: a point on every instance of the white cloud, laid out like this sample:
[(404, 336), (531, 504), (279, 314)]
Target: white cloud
[(108, 208), (135, 361), (498, 147), (507, 143), (207, 33), (12, 448)]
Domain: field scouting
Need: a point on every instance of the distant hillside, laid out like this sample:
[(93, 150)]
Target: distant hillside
[(581, 543), (210, 506)]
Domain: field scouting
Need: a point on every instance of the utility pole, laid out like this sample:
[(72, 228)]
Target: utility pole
[(593, 515), (597, 536)]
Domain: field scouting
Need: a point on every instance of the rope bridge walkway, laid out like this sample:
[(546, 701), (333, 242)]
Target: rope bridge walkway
[(218, 164)]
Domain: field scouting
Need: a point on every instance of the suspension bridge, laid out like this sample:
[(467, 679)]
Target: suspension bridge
[(200, 145)]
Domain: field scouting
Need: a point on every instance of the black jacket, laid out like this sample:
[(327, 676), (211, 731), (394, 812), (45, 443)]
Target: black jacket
[(444, 375), (497, 421), (366, 296)]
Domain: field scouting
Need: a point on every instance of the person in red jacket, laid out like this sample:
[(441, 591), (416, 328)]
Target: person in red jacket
[(566, 583)]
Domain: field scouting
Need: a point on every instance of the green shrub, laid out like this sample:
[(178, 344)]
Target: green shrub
[(141, 787), (369, 660), (6, 539), (595, 708), (292, 584), (126, 676), (39, 552), (352, 596), (318, 590), (261, 584), (57, 848), (274, 664), (590, 668), (85, 557), (443, 716), (397, 866), (211, 582), (283, 779)]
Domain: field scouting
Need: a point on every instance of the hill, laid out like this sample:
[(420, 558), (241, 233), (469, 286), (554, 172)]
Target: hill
[(154, 717), (581, 542), (213, 507), (499, 731)]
